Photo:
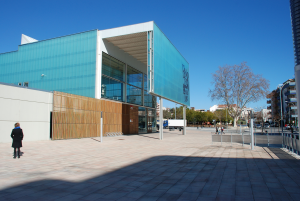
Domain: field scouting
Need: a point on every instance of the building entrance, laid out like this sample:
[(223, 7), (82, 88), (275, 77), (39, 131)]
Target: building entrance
[(142, 120)]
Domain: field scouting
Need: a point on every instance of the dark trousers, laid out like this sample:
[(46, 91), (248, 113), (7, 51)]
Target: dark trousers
[(15, 151)]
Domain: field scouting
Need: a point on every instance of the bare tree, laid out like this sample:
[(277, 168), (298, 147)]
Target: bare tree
[(236, 86)]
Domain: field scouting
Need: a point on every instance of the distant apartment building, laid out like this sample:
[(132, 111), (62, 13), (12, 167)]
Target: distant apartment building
[(200, 110), (283, 99), (220, 107)]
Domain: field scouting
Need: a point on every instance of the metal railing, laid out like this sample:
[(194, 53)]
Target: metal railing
[(291, 142), (265, 139), (286, 140)]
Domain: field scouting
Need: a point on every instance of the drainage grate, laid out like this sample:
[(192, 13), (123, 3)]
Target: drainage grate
[(112, 134)]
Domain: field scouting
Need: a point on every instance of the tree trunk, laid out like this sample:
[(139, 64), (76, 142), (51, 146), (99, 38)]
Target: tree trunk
[(234, 122)]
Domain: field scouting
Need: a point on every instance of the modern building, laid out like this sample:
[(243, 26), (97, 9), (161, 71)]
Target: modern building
[(283, 102), (133, 65), (295, 19)]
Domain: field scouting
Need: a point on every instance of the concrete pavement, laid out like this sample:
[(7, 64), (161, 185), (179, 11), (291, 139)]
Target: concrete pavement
[(141, 167)]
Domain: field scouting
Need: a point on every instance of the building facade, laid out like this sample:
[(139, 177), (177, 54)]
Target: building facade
[(295, 20), (283, 102), (132, 65)]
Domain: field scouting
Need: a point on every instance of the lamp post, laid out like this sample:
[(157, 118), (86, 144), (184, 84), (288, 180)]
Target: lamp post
[(280, 88), (175, 110)]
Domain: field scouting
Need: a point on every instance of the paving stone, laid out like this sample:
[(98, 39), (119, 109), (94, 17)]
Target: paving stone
[(141, 167)]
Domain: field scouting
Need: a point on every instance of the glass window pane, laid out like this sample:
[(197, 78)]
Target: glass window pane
[(134, 95), (145, 82), (149, 100), (152, 120), (111, 89), (134, 77), (112, 67)]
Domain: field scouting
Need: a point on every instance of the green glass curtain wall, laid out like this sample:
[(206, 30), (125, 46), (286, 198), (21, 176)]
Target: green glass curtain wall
[(171, 70), (67, 64)]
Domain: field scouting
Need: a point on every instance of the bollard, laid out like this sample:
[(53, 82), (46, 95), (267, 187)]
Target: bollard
[(221, 139), (292, 143), (243, 138), (268, 138)]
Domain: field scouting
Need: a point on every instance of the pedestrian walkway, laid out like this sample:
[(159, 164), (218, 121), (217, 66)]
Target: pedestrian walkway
[(142, 167)]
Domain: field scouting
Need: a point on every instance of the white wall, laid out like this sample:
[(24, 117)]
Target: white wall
[(31, 108)]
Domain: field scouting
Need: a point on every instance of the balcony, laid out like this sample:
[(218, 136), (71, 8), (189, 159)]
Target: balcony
[(269, 101), (290, 92), (269, 107), (293, 100)]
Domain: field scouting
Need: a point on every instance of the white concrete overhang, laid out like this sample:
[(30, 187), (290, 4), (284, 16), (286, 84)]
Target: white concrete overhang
[(133, 44)]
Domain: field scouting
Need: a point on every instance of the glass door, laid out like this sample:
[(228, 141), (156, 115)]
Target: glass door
[(142, 120)]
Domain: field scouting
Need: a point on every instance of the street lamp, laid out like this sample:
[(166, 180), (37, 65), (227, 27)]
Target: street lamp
[(280, 89), (175, 110)]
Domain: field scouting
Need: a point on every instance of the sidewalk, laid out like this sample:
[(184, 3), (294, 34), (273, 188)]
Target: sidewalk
[(141, 167)]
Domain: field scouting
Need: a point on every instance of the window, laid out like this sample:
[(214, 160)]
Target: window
[(134, 95), (134, 77), (111, 89), (113, 67)]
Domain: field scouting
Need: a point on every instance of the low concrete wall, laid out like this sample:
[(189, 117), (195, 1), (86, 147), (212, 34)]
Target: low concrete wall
[(31, 108)]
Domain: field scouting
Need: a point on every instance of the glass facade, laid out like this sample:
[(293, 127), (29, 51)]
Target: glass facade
[(119, 79), (65, 64), (142, 120), (170, 69), (152, 120)]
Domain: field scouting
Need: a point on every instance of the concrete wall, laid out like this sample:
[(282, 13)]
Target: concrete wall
[(31, 108)]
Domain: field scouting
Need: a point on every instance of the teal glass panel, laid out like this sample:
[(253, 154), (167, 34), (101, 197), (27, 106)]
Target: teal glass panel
[(111, 89), (134, 95), (134, 77), (113, 67), (65, 64), (171, 70)]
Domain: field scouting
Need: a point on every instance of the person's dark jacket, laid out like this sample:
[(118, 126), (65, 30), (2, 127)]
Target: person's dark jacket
[(17, 136)]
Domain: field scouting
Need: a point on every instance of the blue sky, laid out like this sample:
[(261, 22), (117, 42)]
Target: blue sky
[(207, 33)]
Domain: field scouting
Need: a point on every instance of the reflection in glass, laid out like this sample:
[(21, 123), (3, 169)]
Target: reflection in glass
[(145, 82), (152, 120), (134, 77), (149, 100), (134, 95), (142, 120), (111, 89), (112, 67)]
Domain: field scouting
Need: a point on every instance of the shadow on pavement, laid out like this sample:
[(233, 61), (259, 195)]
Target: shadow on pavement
[(178, 178)]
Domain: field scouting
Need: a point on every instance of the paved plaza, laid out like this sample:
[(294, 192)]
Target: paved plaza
[(142, 167)]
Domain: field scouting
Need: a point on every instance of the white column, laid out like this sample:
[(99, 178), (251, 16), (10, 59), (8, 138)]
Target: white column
[(161, 123), (184, 120), (252, 134), (101, 125), (98, 68), (297, 78)]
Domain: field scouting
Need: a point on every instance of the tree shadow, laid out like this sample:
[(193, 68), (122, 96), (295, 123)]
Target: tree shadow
[(178, 178)]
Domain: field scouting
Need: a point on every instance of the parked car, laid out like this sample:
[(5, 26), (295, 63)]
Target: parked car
[(274, 124), (257, 126), (267, 125), (287, 126)]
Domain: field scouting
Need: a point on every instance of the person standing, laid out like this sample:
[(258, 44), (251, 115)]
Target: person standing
[(17, 136)]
